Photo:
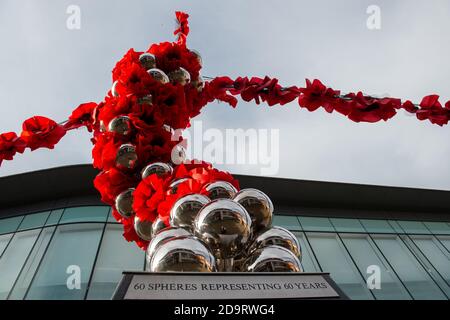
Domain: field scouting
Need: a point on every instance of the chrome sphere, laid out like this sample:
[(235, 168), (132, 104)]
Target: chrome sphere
[(199, 83), (126, 156), (178, 154), (182, 254), (143, 228), (148, 99), (225, 226), (114, 90), (272, 259), (185, 210), (198, 56), (220, 190), (179, 76), (120, 125), (161, 236), (160, 168), (147, 60), (173, 187), (277, 236), (158, 75), (157, 226), (124, 203), (259, 207)]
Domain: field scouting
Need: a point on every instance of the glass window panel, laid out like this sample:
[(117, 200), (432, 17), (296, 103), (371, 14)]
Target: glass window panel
[(377, 226), (34, 220), (13, 259), (4, 240), (316, 224), (54, 217), (396, 226), (309, 262), (347, 225), (438, 227), (85, 214), (445, 241), (334, 259), (365, 254), (29, 269), (436, 254), (416, 227), (411, 273), (10, 224), (116, 255), (72, 245), (110, 217), (288, 222)]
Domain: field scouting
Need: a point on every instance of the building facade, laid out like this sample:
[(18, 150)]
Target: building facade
[(376, 242)]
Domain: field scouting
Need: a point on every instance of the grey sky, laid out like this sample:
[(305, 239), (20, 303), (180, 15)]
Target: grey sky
[(47, 69)]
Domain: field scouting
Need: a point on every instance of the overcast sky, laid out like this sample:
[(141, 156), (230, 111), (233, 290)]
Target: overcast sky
[(47, 69)]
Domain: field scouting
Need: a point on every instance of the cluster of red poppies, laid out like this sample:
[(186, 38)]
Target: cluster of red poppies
[(356, 106)]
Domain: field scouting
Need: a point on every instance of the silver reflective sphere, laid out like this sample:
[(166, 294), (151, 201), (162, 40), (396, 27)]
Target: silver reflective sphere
[(124, 203), (199, 84), (220, 190), (157, 226), (126, 157), (183, 254), (259, 207), (120, 125), (114, 90), (225, 226), (272, 259), (158, 75), (159, 168), (277, 236), (180, 76), (148, 99), (147, 60), (163, 235), (198, 56), (143, 229), (178, 154), (173, 187), (185, 210)]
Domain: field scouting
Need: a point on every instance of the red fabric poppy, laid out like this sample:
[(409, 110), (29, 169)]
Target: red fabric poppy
[(10, 144), (131, 57), (41, 132), (82, 116), (183, 27), (129, 233), (112, 182)]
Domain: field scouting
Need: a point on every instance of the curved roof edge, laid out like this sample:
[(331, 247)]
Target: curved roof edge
[(76, 181)]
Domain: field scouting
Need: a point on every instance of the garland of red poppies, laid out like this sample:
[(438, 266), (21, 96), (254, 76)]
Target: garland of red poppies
[(161, 89)]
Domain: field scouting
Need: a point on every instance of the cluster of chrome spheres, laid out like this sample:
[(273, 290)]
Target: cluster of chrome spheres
[(229, 231)]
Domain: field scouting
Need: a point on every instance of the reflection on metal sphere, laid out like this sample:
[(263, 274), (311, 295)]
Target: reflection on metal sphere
[(157, 226), (179, 76), (185, 210), (183, 254), (259, 207), (114, 89), (277, 236), (272, 259), (199, 83), (178, 154), (143, 229), (126, 157), (159, 168), (225, 226), (158, 75), (147, 99), (173, 187), (124, 203), (120, 125), (220, 190), (147, 60)]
